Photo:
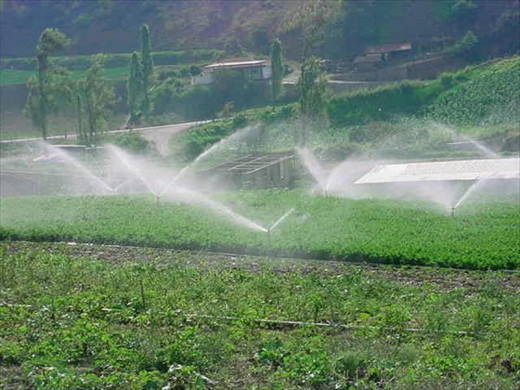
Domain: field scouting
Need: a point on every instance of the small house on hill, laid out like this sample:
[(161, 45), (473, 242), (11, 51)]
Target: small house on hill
[(256, 70)]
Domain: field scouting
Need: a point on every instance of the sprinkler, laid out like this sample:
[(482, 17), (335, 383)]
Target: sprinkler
[(453, 211), (157, 199)]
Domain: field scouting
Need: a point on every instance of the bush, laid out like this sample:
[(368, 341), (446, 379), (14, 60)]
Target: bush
[(466, 47), (132, 141), (446, 80), (359, 107)]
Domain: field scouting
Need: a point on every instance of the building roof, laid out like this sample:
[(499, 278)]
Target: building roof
[(253, 162), (388, 48), (236, 65), (463, 170)]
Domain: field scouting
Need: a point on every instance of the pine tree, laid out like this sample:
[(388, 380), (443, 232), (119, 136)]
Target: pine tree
[(276, 68)]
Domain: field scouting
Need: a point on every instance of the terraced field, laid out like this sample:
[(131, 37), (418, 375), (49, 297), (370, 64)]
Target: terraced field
[(98, 317), (480, 236)]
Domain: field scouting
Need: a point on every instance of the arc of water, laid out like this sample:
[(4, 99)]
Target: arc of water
[(281, 219), (174, 180), (96, 179), (314, 167), (468, 192), (191, 197), (122, 157), (204, 154)]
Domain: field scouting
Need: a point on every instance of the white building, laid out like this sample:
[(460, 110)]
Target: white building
[(251, 70)]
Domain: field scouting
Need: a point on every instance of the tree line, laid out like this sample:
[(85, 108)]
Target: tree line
[(92, 98)]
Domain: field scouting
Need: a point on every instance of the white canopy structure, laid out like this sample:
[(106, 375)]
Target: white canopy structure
[(461, 170)]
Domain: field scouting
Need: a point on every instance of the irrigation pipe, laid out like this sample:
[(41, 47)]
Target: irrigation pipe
[(291, 324), (297, 324)]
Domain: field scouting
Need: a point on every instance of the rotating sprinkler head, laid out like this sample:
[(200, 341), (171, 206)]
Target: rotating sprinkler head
[(453, 211), (157, 199)]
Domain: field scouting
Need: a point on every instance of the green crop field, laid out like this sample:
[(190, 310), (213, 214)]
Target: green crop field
[(12, 76), (480, 236), (98, 317)]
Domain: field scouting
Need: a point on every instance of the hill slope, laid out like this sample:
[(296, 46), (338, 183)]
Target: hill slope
[(110, 26)]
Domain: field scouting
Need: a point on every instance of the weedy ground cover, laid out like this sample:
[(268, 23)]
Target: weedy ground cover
[(480, 236), (80, 322)]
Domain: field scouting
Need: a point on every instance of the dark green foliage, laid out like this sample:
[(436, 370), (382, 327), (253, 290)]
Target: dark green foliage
[(486, 94), (395, 232), (466, 47), (73, 317), (196, 102), (147, 67), (94, 98), (189, 145), (404, 98), (312, 86), (135, 87), (39, 99), (276, 68), (131, 141)]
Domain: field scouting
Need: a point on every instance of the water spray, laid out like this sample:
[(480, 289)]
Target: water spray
[(274, 225)]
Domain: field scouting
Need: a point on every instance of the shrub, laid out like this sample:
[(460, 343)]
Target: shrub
[(131, 141)]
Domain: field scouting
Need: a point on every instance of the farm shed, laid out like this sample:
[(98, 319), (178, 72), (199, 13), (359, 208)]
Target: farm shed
[(459, 170), (448, 180), (257, 70), (268, 170)]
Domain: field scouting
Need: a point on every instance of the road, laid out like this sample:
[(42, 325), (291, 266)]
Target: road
[(160, 135)]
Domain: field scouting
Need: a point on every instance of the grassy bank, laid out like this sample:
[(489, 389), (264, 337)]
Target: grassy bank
[(11, 76), (410, 119), (481, 236), (81, 322)]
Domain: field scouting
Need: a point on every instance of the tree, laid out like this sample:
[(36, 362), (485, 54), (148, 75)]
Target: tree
[(312, 18), (148, 71), (135, 87), (39, 99), (93, 98), (276, 68), (312, 85)]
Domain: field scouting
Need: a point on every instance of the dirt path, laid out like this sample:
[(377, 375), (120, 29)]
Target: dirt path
[(160, 135)]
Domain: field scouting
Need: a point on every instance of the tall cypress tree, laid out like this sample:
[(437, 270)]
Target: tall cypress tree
[(276, 68), (135, 87), (147, 61)]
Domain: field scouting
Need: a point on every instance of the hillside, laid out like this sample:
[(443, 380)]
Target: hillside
[(110, 26), (404, 120)]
